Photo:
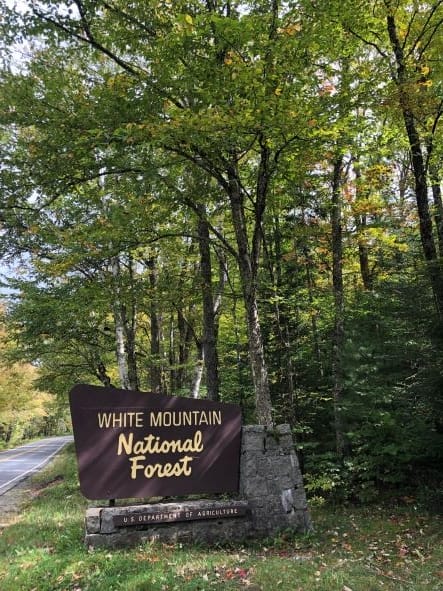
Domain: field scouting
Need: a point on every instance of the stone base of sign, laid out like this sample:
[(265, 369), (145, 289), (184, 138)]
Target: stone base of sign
[(271, 499)]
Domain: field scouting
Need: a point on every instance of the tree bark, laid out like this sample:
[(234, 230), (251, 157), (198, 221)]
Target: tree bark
[(155, 372), (438, 206), (198, 372), (361, 223), (438, 215), (248, 266), (130, 330), (209, 341), (102, 375), (184, 345)]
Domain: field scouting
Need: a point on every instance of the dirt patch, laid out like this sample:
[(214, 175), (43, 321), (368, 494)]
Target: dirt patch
[(38, 487), (13, 500)]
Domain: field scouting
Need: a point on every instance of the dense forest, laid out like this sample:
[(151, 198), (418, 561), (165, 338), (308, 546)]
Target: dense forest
[(239, 201)]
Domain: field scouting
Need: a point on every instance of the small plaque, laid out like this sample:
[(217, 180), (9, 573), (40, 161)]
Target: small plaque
[(153, 515)]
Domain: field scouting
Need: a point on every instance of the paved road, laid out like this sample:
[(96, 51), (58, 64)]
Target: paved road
[(20, 462)]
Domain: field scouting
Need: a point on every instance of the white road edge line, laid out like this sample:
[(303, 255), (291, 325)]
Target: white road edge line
[(42, 463)]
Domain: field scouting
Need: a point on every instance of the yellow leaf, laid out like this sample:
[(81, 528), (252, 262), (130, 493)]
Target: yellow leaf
[(290, 29), (426, 83), (278, 91), (188, 19), (228, 58)]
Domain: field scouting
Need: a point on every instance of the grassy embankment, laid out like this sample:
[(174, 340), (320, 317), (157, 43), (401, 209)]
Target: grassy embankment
[(365, 549)]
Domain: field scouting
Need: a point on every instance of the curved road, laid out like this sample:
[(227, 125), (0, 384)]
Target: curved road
[(20, 462)]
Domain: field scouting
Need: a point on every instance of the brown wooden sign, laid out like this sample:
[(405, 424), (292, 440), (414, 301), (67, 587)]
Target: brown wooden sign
[(136, 444)]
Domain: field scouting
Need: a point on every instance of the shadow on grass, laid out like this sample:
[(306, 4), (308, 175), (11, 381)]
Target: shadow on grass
[(371, 549)]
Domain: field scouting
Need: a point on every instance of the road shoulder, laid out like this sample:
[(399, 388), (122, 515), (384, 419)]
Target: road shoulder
[(12, 501)]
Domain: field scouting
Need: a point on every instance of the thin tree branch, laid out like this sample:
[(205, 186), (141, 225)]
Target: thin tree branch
[(89, 41), (425, 30), (187, 201), (131, 19), (408, 31), (367, 42)]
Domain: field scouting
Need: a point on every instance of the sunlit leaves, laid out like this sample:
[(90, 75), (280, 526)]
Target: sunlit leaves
[(23, 408)]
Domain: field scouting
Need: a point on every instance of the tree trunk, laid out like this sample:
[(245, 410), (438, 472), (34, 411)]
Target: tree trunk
[(185, 338), (209, 341), (155, 364), (438, 206), (172, 359), (119, 323), (418, 167), (274, 258), (130, 327), (102, 375), (337, 281), (361, 223), (248, 266), (438, 215), (313, 313), (363, 257), (198, 372)]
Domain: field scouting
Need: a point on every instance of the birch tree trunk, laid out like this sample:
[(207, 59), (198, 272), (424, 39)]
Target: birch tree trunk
[(185, 333), (119, 323), (198, 372)]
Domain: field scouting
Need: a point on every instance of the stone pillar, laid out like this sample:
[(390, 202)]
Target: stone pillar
[(271, 481)]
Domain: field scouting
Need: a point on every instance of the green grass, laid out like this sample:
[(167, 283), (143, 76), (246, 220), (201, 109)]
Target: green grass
[(366, 549)]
